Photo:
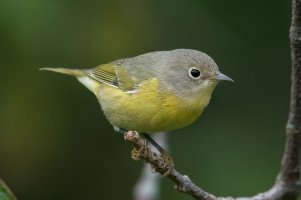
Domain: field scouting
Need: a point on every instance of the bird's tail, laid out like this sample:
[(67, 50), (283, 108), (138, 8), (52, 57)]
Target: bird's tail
[(71, 72)]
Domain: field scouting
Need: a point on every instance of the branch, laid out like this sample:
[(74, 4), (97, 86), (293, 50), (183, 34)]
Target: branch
[(289, 175), (183, 183), (288, 184), (290, 172)]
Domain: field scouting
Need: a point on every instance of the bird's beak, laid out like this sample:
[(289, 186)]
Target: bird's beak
[(221, 77)]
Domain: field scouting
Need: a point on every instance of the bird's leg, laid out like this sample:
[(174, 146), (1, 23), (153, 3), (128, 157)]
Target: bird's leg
[(154, 143), (167, 164)]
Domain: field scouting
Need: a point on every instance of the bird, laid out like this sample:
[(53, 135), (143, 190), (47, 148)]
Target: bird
[(153, 92)]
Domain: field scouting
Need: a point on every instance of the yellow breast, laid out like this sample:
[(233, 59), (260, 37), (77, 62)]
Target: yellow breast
[(149, 109)]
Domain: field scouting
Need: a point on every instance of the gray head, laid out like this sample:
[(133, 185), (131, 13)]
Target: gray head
[(189, 72)]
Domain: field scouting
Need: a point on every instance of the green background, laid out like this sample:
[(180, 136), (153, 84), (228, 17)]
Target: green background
[(56, 144)]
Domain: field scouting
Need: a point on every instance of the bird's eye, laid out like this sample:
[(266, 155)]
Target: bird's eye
[(194, 73)]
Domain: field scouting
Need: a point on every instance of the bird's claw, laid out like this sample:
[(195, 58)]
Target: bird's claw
[(165, 166), (164, 162), (137, 154)]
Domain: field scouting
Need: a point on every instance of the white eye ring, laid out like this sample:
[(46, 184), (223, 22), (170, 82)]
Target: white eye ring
[(194, 73)]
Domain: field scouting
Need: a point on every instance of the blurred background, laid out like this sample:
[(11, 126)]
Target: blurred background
[(56, 144)]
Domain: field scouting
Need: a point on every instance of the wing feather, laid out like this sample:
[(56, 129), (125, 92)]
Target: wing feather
[(121, 74), (113, 75), (103, 73)]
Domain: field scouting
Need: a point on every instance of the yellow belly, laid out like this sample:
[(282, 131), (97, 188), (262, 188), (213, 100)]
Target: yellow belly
[(149, 109)]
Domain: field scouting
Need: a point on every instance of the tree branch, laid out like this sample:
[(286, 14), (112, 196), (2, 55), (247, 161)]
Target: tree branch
[(287, 185), (183, 183), (290, 172)]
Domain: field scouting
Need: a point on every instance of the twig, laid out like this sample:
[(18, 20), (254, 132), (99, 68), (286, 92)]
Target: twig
[(289, 175), (183, 183), (290, 172), (288, 185)]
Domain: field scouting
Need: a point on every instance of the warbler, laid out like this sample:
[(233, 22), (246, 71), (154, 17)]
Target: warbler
[(153, 92)]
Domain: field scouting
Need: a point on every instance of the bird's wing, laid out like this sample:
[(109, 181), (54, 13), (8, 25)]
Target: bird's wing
[(120, 76), (103, 73)]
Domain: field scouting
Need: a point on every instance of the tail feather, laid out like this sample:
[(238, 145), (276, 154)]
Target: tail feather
[(72, 72)]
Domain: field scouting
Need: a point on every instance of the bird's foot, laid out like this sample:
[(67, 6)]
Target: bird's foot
[(137, 154), (162, 163), (165, 166)]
